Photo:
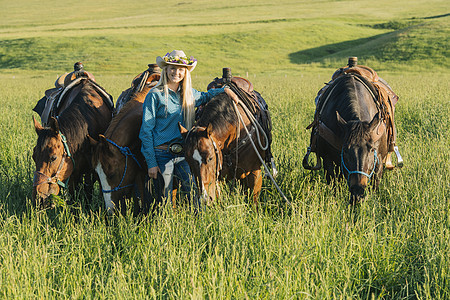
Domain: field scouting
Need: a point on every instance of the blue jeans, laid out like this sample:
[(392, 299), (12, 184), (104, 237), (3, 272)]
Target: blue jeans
[(173, 165)]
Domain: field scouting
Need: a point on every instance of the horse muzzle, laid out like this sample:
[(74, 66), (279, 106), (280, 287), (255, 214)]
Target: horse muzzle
[(42, 200), (357, 193)]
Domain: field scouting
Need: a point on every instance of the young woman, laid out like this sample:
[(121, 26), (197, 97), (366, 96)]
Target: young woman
[(171, 101)]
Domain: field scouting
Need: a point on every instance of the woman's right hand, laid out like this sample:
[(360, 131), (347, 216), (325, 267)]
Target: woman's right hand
[(153, 172)]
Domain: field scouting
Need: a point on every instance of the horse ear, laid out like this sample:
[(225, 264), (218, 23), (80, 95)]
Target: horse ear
[(375, 121), (104, 142), (38, 127), (376, 128), (54, 124), (102, 139), (209, 130), (92, 141), (183, 130), (340, 120)]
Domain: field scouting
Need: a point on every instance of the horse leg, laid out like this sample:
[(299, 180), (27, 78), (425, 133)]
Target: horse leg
[(377, 178), (144, 205), (89, 186), (329, 169), (253, 182), (174, 192)]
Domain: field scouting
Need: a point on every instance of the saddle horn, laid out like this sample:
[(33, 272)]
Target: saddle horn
[(226, 74)]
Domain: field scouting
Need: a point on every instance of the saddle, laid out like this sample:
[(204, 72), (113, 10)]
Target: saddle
[(144, 79), (382, 92), (384, 98), (244, 90), (252, 100), (55, 98)]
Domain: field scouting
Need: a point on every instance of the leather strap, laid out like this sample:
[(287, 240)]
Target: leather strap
[(162, 147)]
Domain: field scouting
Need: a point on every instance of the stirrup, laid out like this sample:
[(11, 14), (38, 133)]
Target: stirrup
[(399, 157), (306, 164), (274, 169)]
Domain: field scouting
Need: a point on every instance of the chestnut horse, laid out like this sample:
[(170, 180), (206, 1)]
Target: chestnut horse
[(222, 144), (351, 133), (117, 157), (62, 153)]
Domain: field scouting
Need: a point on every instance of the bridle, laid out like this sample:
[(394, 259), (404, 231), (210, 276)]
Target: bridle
[(344, 167), (54, 179), (218, 159), (127, 152)]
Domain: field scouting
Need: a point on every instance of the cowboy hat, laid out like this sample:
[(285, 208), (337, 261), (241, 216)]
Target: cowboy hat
[(177, 58)]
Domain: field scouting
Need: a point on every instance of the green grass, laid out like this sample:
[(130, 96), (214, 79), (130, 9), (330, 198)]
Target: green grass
[(394, 245)]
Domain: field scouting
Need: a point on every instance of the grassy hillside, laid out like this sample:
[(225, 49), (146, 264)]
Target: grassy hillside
[(259, 37), (394, 245)]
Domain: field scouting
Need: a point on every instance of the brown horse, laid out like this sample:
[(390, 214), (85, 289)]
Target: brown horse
[(117, 156), (351, 133), (223, 142), (62, 153)]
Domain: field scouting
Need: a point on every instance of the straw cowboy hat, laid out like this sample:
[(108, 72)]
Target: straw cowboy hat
[(177, 58)]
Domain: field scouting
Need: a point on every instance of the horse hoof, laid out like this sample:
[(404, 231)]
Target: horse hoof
[(389, 166)]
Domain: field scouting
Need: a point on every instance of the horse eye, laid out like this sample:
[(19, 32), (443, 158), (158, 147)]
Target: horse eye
[(210, 159), (53, 158)]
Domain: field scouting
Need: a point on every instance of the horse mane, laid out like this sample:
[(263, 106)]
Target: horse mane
[(74, 122), (357, 132), (345, 95), (219, 112), (115, 121)]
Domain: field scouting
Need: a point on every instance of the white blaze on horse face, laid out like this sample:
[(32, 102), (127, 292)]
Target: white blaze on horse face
[(105, 185), (197, 157)]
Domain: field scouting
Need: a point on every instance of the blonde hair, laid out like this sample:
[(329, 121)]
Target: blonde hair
[(188, 103)]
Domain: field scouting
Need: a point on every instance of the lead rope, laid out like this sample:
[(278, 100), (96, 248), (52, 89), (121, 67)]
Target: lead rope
[(258, 127)]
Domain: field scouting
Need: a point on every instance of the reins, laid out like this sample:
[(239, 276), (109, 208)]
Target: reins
[(127, 152), (258, 128)]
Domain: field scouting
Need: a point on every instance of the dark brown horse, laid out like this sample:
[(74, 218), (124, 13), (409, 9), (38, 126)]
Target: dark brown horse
[(62, 153), (117, 156), (219, 145), (350, 133)]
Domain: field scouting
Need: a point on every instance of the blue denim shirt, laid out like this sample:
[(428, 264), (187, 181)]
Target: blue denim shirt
[(160, 119)]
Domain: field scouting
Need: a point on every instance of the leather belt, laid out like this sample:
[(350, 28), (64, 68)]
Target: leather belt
[(174, 148), (162, 147)]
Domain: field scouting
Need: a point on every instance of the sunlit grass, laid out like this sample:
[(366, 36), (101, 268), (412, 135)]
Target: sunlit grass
[(394, 245)]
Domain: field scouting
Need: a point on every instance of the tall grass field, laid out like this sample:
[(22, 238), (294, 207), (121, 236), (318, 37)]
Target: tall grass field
[(393, 245)]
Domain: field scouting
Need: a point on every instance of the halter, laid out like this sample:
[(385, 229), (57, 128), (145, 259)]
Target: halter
[(127, 152), (343, 167), (54, 179)]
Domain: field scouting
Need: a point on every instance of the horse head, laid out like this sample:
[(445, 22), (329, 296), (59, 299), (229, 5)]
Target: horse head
[(116, 167), (203, 152), (53, 163), (361, 153)]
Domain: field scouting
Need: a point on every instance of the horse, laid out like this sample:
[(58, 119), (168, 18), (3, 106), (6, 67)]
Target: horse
[(225, 142), (117, 158), (62, 153), (350, 133)]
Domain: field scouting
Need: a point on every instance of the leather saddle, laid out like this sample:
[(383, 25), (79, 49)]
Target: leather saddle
[(148, 78), (54, 98)]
